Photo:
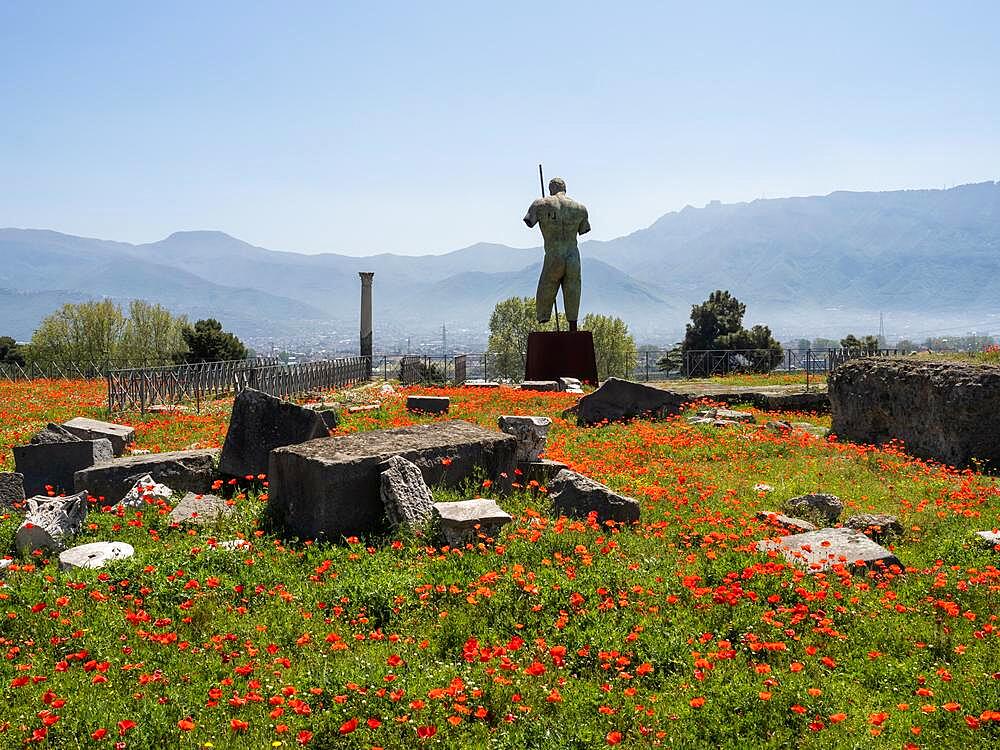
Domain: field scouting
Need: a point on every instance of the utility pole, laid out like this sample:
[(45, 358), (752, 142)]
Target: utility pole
[(444, 340)]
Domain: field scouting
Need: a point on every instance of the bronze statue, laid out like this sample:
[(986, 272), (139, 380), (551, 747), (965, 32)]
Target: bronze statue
[(561, 219)]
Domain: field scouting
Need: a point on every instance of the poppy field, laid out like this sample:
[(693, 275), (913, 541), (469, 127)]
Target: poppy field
[(674, 632)]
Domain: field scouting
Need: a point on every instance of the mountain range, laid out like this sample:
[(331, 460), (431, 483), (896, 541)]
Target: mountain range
[(819, 265)]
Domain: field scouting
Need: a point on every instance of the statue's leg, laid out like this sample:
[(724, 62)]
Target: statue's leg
[(571, 284), (548, 286)]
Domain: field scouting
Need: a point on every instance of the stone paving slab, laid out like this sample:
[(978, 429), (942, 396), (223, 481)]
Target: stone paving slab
[(824, 549)]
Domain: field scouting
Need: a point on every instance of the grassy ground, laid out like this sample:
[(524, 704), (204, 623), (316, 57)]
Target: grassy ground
[(672, 633)]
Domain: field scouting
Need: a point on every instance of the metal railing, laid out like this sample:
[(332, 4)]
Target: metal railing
[(645, 365), (141, 388), (71, 369)]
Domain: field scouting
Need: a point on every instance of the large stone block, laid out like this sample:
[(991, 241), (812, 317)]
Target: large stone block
[(120, 435), (56, 463), (820, 550), (944, 411), (330, 487), (428, 404), (578, 496), (11, 488), (259, 424), (617, 400), (189, 471)]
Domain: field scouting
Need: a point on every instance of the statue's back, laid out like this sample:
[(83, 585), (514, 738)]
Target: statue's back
[(561, 219)]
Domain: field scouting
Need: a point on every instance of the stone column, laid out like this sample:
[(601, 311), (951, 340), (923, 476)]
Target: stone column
[(366, 316)]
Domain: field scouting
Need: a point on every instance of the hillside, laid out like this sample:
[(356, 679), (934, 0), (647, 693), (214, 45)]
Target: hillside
[(819, 265)]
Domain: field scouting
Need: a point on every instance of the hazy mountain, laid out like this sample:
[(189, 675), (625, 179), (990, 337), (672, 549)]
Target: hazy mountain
[(820, 265)]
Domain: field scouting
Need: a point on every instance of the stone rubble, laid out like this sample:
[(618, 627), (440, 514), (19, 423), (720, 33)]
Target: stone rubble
[(94, 555), (145, 490), (465, 521), (878, 526), (786, 523), (531, 434), (11, 488), (578, 496), (825, 549), (826, 506), (49, 522), (200, 510), (407, 499)]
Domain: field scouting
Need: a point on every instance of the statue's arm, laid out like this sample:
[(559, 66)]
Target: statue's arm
[(531, 218), (585, 224)]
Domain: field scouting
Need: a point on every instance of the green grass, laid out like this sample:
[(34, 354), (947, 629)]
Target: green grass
[(562, 634)]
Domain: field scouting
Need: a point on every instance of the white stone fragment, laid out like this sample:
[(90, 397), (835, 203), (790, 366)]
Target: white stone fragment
[(145, 490), (94, 555)]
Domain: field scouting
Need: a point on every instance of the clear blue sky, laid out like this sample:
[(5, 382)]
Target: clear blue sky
[(418, 127)]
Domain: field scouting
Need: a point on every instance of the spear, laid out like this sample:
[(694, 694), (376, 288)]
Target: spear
[(555, 302)]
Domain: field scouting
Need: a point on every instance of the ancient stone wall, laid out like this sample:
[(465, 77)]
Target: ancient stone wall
[(946, 411)]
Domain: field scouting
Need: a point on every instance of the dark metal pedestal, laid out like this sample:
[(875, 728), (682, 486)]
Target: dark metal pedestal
[(566, 354)]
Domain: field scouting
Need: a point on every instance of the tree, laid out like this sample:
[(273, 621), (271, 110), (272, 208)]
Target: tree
[(99, 332), (207, 342), (672, 359), (720, 315), (717, 324), (152, 334), (10, 352), (511, 322), (867, 344), (614, 346), (85, 332), (905, 346)]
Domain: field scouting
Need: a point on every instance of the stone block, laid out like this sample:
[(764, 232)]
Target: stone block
[(531, 433), (480, 384), (405, 495), (94, 555), (428, 404), (54, 433), (787, 524), (56, 463), (182, 471), (825, 549), (259, 424), (200, 510), (11, 488), (50, 521), (818, 504), (878, 526), (540, 385), (570, 384), (618, 400), (578, 496), (944, 411), (331, 487), (466, 521), (989, 539), (728, 415), (328, 410), (543, 471), (121, 436), (146, 490)]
